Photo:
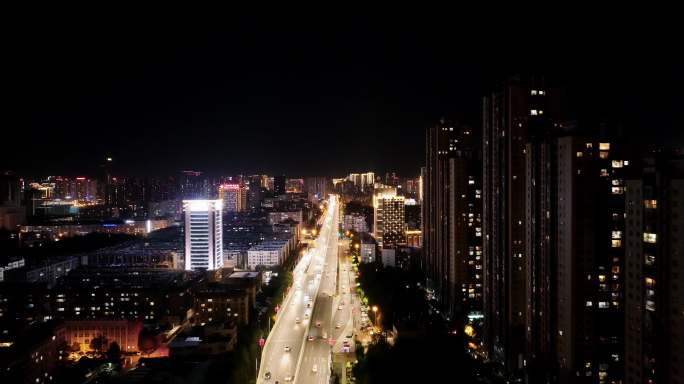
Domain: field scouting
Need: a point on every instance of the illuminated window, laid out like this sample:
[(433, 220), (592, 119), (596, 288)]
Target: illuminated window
[(649, 260), (541, 92), (603, 154), (589, 304), (618, 190), (604, 146), (603, 304), (602, 278), (533, 92), (650, 282), (533, 112), (650, 238), (618, 163), (579, 154), (616, 243), (617, 235), (652, 204), (541, 112), (589, 145)]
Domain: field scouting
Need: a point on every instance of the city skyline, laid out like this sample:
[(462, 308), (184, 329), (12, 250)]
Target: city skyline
[(351, 204)]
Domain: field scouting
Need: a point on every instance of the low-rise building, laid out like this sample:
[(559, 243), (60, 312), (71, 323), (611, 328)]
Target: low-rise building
[(34, 356), (367, 251), (211, 339), (355, 222), (216, 301), (81, 333), (389, 257)]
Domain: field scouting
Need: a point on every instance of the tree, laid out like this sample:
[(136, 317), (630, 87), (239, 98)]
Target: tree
[(114, 353), (98, 343)]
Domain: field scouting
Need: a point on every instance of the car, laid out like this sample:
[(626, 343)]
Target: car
[(318, 324), (289, 378), (338, 325), (314, 369), (310, 338), (298, 320), (267, 376), (287, 348), (339, 307)]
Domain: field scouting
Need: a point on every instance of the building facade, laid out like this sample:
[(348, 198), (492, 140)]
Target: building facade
[(510, 114), (389, 225), (654, 272), (234, 197), (203, 234), (451, 217)]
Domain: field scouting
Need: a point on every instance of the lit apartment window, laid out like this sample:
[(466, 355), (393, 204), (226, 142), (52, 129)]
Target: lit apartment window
[(533, 112), (603, 304), (650, 282), (618, 190), (618, 163), (652, 204), (616, 243), (541, 92), (649, 260), (533, 92), (603, 154), (589, 145), (604, 146), (579, 154), (617, 234), (650, 238), (590, 304), (541, 112)]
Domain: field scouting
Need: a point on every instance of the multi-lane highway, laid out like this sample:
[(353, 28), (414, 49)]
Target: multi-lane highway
[(304, 306), (316, 356)]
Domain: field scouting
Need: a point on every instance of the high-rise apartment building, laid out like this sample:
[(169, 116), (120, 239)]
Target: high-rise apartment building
[(317, 187), (510, 114), (388, 220), (234, 197), (203, 234), (363, 181), (580, 319), (654, 272), (451, 216), (294, 185), (367, 181), (278, 185), (255, 194)]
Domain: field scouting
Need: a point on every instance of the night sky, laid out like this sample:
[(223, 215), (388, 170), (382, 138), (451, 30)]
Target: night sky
[(326, 99)]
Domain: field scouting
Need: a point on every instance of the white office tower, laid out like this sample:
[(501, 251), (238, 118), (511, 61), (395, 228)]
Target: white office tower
[(203, 234)]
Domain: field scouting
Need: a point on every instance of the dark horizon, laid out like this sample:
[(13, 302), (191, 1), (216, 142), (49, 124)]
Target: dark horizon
[(286, 102)]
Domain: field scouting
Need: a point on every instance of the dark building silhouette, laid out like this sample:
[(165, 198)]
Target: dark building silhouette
[(654, 299), (452, 226), (278, 185), (521, 110)]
